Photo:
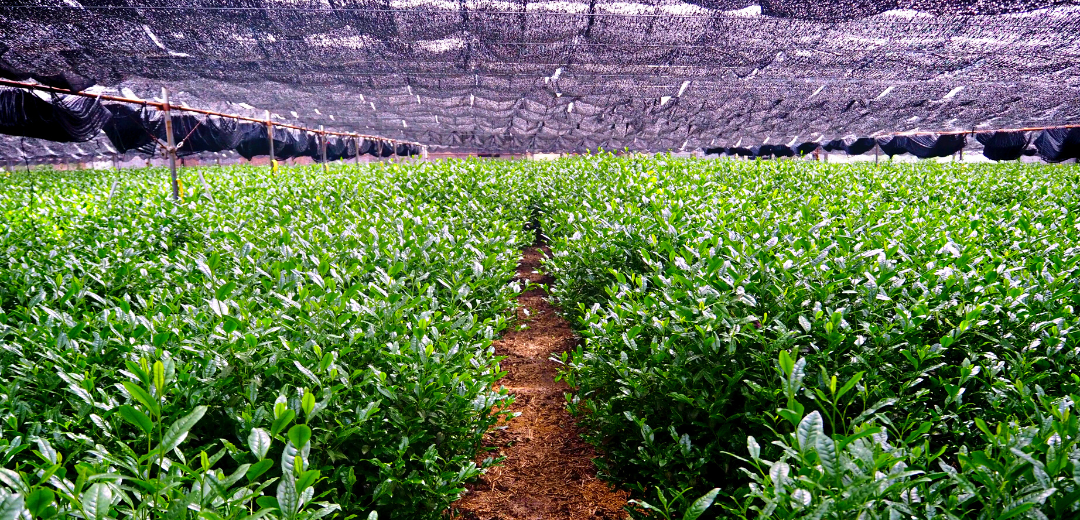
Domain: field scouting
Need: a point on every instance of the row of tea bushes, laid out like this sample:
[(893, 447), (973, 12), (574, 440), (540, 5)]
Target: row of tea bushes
[(824, 341), (286, 346)]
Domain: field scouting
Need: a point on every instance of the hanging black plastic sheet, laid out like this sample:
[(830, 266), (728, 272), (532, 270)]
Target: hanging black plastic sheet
[(366, 147), (66, 80), (1058, 144), (382, 148), (1004, 146), (927, 145), (407, 149), (336, 148), (58, 118), (714, 151), (133, 128), (923, 146), (288, 142), (806, 148), (892, 145), (857, 146), (741, 151), (196, 134)]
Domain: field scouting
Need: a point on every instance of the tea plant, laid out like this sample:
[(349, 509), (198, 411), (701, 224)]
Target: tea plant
[(921, 299), (283, 346)]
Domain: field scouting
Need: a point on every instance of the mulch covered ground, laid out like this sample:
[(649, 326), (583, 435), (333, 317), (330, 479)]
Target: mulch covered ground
[(548, 473)]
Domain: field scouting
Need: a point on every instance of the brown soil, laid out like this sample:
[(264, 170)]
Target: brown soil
[(548, 472)]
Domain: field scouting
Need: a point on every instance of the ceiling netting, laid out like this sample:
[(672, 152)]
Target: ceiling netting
[(566, 76)]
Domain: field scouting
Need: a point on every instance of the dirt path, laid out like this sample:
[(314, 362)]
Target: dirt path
[(548, 472)]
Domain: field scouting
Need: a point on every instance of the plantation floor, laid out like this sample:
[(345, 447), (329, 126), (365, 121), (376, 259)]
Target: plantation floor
[(548, 472)]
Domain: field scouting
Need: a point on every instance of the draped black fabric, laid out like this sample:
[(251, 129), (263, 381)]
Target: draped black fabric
[(382, 148), (56, 118), (773, 150), (288, 142), (857, 146), (366, 147), (741, 151), (66, 80), (1059, 144), (133, 128), (407, 149), (715, 151), (806, 148), (926, 146), (336, 148), (1004, 146), (892, 145), (196, 134)]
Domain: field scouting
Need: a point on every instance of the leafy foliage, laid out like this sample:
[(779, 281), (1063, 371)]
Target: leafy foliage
[(803, 305), (284, 346)]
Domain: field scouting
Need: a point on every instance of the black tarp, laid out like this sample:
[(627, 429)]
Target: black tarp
[(366, 147), (892, 145), (741, 151), (1004, 146), (1058, 144), (194, 134), (288, 142), (923, 146), (336, 148), (857, 146), (773, 150), (407, 149), (714, 151), (382, 148), (55, 118), (66, 80), (806, 148), (926, 146), (133, 128)]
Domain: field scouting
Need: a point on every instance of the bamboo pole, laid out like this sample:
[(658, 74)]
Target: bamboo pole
[(876, 149), (356, 158), (171, 142), (322, 149), (270, 139)]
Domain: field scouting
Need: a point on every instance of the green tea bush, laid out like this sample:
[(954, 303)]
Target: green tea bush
[(286, 346), (919, 299)]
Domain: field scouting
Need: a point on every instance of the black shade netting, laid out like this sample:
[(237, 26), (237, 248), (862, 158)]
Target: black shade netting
[(806, 148), (197, 134), (850, 146), (288, 142), (134, 128), (1059, 144), (1004, 146), (55, 118)]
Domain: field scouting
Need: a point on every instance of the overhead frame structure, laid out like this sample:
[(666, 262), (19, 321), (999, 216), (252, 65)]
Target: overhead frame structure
[(566, 76)]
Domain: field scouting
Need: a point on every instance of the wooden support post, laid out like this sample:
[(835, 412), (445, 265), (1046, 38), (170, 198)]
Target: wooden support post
[(116, 162), (876, 149), (218, 159), (322, 149), (270, 138), (171, 142), (961, 155)]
